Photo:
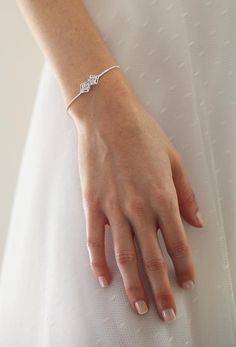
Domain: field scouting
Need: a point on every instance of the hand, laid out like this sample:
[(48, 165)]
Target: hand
[(133, 179)]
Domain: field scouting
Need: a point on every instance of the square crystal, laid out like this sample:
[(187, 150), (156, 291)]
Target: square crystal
[(84, 87), (93, 79)]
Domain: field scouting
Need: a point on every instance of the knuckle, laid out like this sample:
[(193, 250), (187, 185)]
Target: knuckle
[(178, 249), (163, 297), (136, 205), (189, 197), (155, 264), (93, 243), (112, 201), (90, 198), (166, 201), (164, 196), (132, 289), (97, 265), (124, 257)]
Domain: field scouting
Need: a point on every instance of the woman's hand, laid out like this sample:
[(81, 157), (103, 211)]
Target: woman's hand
[(134, 180)]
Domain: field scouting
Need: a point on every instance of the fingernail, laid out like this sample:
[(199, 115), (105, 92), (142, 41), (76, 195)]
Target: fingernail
[(102, 281), (168, 314), (141, 306), (199, 219), (188, 284)]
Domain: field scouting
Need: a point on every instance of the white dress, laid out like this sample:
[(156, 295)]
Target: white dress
[(180, 56)]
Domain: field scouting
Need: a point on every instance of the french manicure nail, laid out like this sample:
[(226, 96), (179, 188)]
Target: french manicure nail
[(168, 314), (188, 284), (199, 219), (141, 306), (102, 281)]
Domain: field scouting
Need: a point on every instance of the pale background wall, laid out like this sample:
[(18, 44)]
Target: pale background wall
[(20, 65)]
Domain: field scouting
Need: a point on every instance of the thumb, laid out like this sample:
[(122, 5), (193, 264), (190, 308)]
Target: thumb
[(186, 197)]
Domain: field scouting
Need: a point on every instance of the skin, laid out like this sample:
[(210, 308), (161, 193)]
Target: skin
[(132, 177)]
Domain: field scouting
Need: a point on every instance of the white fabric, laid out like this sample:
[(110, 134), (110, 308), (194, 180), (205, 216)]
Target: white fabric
[(180, 56)]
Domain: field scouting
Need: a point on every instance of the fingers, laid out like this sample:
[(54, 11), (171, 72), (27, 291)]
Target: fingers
[(153, 260), (186, 197), (126, 258), (138, 216), (175, 238), (95, 225)]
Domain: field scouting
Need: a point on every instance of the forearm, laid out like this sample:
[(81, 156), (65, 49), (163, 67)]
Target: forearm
[(71, 42)]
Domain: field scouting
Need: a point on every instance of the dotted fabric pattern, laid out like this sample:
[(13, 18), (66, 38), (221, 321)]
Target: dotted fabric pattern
[(180, 57)]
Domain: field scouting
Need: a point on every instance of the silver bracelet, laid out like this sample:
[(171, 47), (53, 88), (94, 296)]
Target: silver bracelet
[(85, 86)]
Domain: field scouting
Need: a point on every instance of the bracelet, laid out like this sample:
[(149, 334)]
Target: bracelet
[(92, 80)]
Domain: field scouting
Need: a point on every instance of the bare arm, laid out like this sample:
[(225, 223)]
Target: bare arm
[(132, 177), (69, 39)]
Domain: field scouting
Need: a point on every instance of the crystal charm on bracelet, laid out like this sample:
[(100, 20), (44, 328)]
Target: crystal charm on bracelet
[(93, 79), (85, 86)]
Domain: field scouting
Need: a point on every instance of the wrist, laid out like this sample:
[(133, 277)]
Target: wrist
[(112, 88)]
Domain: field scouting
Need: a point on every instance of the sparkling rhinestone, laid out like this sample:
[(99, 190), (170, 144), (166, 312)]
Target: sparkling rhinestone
[(84, 87), (93, 79)]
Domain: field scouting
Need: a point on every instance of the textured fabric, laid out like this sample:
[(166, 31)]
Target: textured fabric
[(180, 56)]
